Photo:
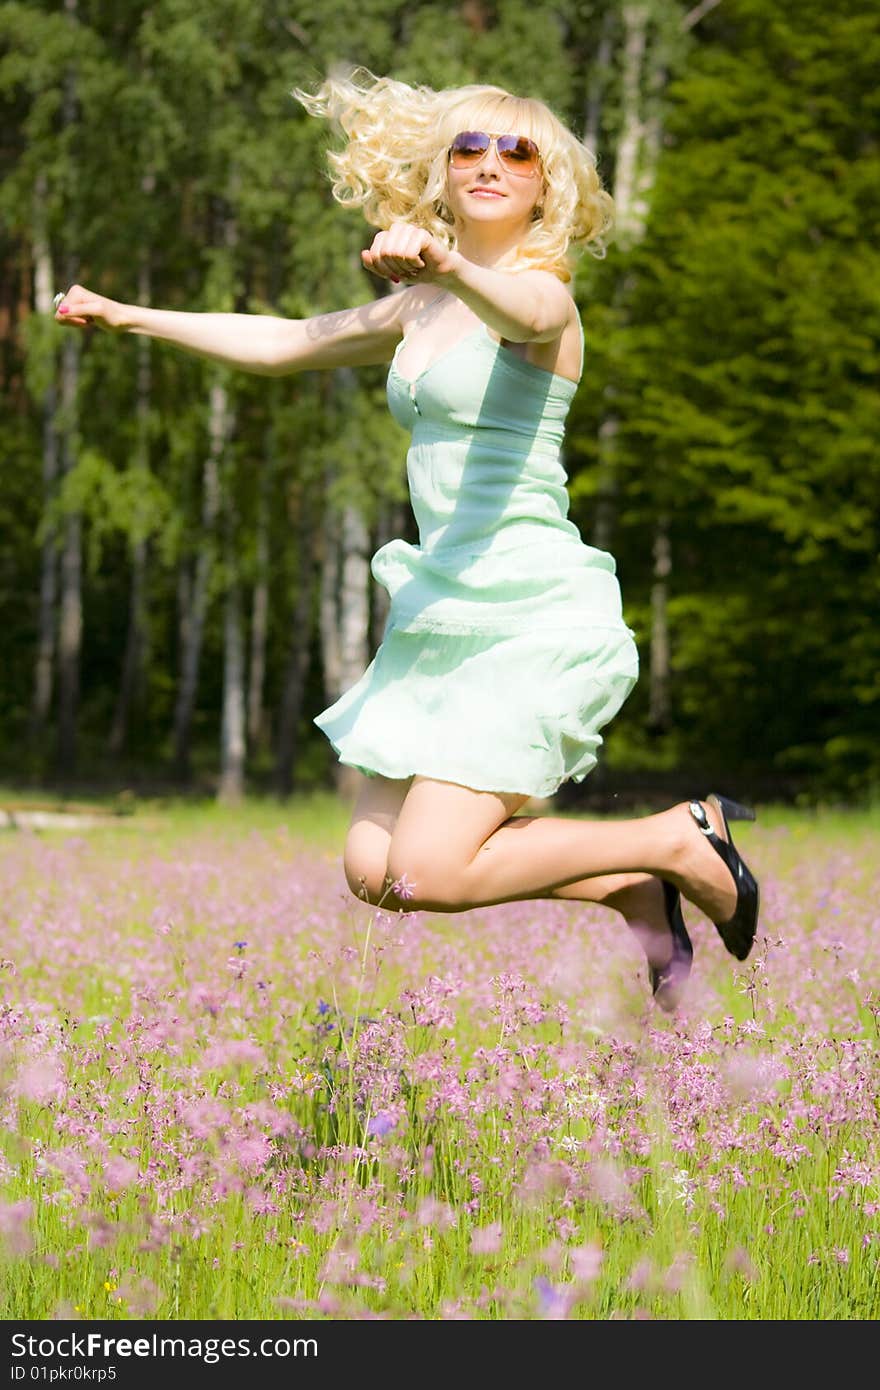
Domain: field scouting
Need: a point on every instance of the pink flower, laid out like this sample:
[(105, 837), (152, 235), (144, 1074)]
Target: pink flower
[(554, 1301), (738, 1261), (15, 1219), (120, 1173), (486, 1240), (586, 1261), (380, 1124), (402, 888)]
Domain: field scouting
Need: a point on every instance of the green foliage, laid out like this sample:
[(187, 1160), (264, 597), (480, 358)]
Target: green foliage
[(745, 366), (130, 502), (735, 344)]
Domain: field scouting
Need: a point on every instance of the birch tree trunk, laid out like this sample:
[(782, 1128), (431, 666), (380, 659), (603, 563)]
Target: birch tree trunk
[(635, 20), (193, 621), (635, 23), (353, 621), (260, 602), (353, 597), (232, 736), (299, 655), (660, 704), (70, 615), (44, 291), (344, 612), (391, 523), (232, 727), (331, 646), (70, 612), (134, 661)]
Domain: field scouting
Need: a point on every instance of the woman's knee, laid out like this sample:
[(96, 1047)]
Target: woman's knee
[(365, 857), (365, 870)]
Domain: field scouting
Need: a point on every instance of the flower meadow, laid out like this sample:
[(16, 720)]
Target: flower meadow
[(231, 1090)]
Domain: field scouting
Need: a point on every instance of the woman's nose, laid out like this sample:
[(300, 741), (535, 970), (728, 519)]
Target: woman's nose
[(491, 163)]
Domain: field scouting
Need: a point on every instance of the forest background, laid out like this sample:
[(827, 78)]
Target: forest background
[(184, 551)]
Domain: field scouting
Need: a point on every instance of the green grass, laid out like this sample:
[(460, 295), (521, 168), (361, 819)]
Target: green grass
[(547, 1157)]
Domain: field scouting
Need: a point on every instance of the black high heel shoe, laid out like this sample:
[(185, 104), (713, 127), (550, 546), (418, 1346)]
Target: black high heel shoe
[(738, 932), (668, 980)]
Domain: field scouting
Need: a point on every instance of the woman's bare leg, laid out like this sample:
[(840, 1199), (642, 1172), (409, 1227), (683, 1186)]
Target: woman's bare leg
[(461, 848), (637, 897)]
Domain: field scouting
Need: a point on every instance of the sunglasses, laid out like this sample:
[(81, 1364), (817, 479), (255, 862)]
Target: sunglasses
[(517, 153)]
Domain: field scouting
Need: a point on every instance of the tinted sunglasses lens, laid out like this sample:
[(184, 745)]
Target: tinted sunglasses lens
[(517, 153), (468, 148)]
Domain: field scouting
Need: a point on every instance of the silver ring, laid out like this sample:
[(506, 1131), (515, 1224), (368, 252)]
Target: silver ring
[(58, 298)]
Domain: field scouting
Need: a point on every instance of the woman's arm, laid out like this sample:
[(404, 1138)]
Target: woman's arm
[(531, 306), (258, 343)]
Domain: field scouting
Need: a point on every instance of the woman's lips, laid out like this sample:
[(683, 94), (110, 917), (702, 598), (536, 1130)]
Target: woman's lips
[(486, 193)]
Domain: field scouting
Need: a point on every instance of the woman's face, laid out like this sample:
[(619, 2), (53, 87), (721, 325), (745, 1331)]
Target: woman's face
[(491, 192)]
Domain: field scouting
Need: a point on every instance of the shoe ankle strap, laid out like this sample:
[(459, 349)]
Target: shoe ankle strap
[(700, 817)]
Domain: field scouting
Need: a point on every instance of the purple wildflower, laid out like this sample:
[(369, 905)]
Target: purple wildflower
[(486, 1240), (380, 1125), (15, 1219), (586, 1261), (554, 1301), (402, 887)]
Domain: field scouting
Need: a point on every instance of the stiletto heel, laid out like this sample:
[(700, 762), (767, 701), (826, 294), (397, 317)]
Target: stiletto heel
[(738, 932), (732, 810), (667, 981)]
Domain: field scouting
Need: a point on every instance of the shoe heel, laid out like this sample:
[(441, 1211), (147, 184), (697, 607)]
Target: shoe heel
[(732, 810)]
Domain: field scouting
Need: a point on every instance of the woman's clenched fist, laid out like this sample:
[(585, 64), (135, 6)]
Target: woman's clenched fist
[(405, 252), (83, 308)]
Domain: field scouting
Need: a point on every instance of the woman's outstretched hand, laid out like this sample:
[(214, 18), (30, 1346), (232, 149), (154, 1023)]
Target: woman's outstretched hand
[(82, 308), (409, 253)]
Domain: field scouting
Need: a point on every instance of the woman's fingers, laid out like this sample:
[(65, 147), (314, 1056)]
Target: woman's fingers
[(80, 308), (395, 254), (393, 268), (404, 266)]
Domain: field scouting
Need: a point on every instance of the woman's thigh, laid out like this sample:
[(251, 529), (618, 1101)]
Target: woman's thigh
[(373, 819), (439, 830)]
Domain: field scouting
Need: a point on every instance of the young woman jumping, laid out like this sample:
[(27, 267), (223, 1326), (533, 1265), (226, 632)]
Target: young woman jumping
[(505, 650)]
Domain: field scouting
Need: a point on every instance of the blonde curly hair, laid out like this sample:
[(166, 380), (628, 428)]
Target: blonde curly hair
[(394, 162)]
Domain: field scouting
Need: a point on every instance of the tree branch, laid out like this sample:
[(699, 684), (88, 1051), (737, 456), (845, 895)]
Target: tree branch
[(696, 14)]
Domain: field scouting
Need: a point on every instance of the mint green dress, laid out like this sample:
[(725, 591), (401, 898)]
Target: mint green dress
[(505, 650)]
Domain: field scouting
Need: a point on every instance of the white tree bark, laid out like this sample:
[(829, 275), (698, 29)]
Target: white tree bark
[(353, 621), (70, 613), (260, 604), (391, 523), (44, 291), (193, 621), (628, 223), (232, 737), (628, 220), (299, 654), (70, 619), (353, 597), (344, 610), (134, 661), (331, 646)]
